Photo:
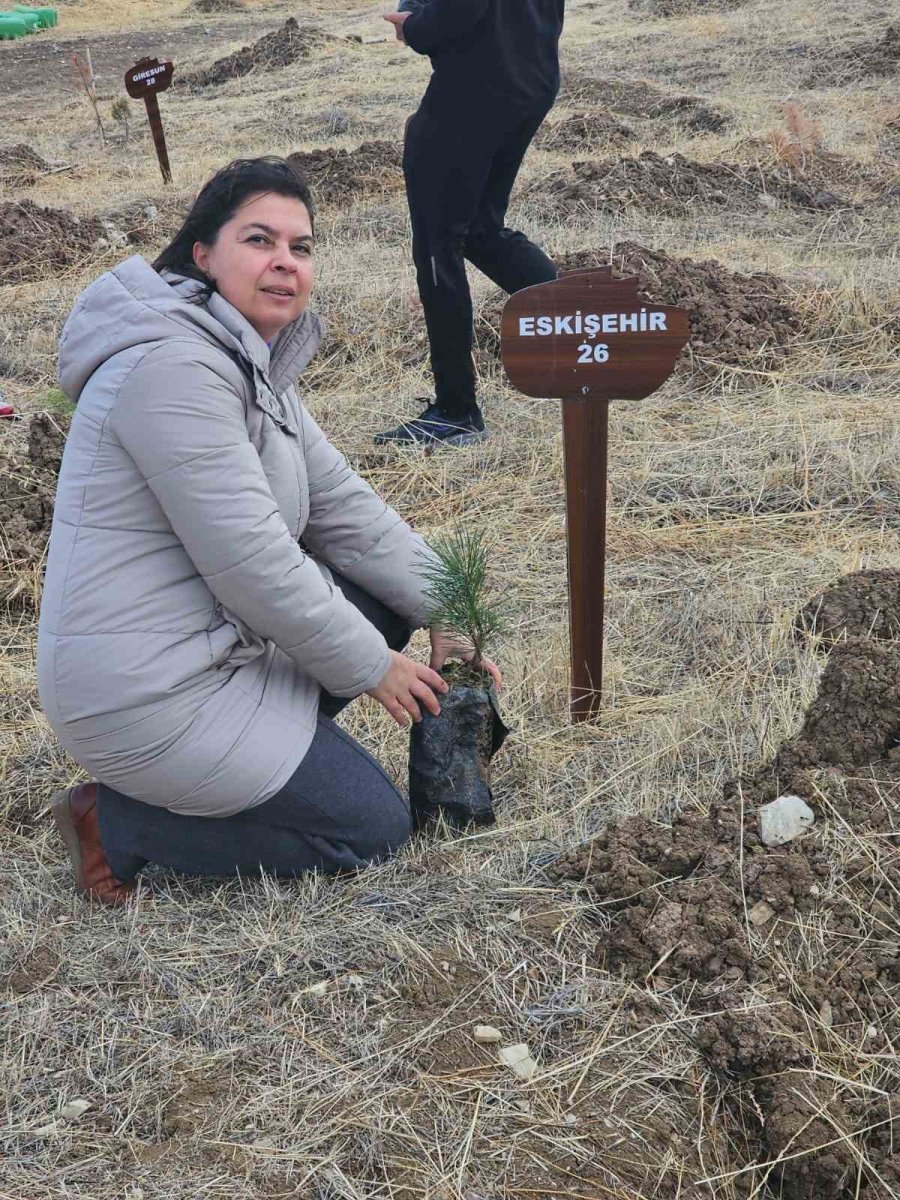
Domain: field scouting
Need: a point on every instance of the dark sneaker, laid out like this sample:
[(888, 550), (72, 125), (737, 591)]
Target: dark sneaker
[(434, 429)]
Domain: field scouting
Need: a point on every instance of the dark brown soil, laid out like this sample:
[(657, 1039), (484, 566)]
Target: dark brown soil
[(340, 176), (641, 100), (863, 605), (587, 131), (27, 489), (674, 185), (683, 897), (216, 6), (20, 165), (864, 59), (682, 8), (277, 49), (36, 241), (735, 319)]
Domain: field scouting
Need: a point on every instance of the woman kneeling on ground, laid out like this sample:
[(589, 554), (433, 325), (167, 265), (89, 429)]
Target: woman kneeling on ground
[(220, 583)]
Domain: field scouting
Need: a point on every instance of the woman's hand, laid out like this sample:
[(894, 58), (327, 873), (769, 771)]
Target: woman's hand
[(443, 646), (404, 684)]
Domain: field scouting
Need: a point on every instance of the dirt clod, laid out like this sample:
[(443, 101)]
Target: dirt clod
[(642, 100), (337, 175), (672, 184), (865, 604), (586, 131), (277, 49), (20, 165), (36, 241), (27, 489)]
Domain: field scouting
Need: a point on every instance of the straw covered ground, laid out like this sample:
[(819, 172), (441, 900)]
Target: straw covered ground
[(707, 1017)]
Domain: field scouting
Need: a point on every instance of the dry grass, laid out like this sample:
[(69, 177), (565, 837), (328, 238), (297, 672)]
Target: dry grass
[(312, 1039)]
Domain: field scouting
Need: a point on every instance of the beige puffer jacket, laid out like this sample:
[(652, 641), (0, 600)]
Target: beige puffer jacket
[(185, 631)]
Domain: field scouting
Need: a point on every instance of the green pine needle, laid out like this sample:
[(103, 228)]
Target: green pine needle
[(457, 589)]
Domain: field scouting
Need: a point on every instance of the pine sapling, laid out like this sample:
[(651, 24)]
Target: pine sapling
[(458, 591)]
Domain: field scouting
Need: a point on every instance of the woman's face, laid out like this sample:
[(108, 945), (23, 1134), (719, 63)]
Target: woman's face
[(262, 261)]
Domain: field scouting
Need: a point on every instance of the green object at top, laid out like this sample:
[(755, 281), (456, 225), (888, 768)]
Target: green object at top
[(12, 26), (47, 17)]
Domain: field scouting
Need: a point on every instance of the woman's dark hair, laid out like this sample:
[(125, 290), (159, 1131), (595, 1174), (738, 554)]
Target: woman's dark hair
[(219, 200)]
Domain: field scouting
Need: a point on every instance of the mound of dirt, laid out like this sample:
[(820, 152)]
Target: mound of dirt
[(682, 8), (277, 49), (216, 6), (20, 165), (27, 490), (36, 241), (674, 184), (865, 604), (586, 131), (641, 100), (337, 176), (735, 319), (787, 956), (859, 61)]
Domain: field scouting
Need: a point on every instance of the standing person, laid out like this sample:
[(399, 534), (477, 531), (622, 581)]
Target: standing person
[(495, 77), (220, 583)]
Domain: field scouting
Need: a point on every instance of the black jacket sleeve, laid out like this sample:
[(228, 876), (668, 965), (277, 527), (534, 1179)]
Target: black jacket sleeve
[(440, 21)]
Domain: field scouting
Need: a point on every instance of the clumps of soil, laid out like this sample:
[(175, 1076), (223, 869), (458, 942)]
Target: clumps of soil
[(277, 49), (338, 176), (37, 241), (735, 319), (790, 956), (27, 491), (586, 131), (865, 604), (641, 100), (860, 61), (683, 8), (20, 165), (674, 185), (217, 6)]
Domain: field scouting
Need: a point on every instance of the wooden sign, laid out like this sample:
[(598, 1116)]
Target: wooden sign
[(145, 79), (586, 338)]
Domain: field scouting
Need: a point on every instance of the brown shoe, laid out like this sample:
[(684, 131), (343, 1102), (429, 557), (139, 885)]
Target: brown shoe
[(75, 813)]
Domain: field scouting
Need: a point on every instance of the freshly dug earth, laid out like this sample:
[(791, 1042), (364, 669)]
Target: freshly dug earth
[(735, 319), (20, 165), (36, 241), (27, 491), (586, 131), (674, 184), (336, 175), (860, 61), (682, 8), (788, 957), (217, 6), (277, 49), (641, 100), (865, 604)]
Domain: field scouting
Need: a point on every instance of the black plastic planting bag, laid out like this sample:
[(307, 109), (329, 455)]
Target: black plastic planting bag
[(450, 758)]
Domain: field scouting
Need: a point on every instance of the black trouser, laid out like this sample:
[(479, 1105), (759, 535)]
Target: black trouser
[(338, 811), (460, 171)]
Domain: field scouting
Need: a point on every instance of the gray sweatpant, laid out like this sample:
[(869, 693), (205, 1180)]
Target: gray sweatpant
[(339, 810)]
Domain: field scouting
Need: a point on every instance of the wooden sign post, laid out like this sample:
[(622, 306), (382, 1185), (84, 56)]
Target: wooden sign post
[(586, 338), (142, 82)]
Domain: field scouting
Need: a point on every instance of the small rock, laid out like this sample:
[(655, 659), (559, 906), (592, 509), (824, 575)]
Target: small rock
[(45, 1130), (826, 1014), (355, 981), (523, 1106), (518, 1059), (100, 244), (764, 200), (486, 1034), (760, 913), (150, 212), (75, 1109), (872, 1031), (784, 819), (571, 1119), (515, 916)]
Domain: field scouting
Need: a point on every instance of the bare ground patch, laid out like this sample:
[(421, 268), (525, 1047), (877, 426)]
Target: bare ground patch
[(271, 52), (339, 176)]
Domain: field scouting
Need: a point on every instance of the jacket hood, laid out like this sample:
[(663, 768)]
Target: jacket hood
[(133, 305)]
